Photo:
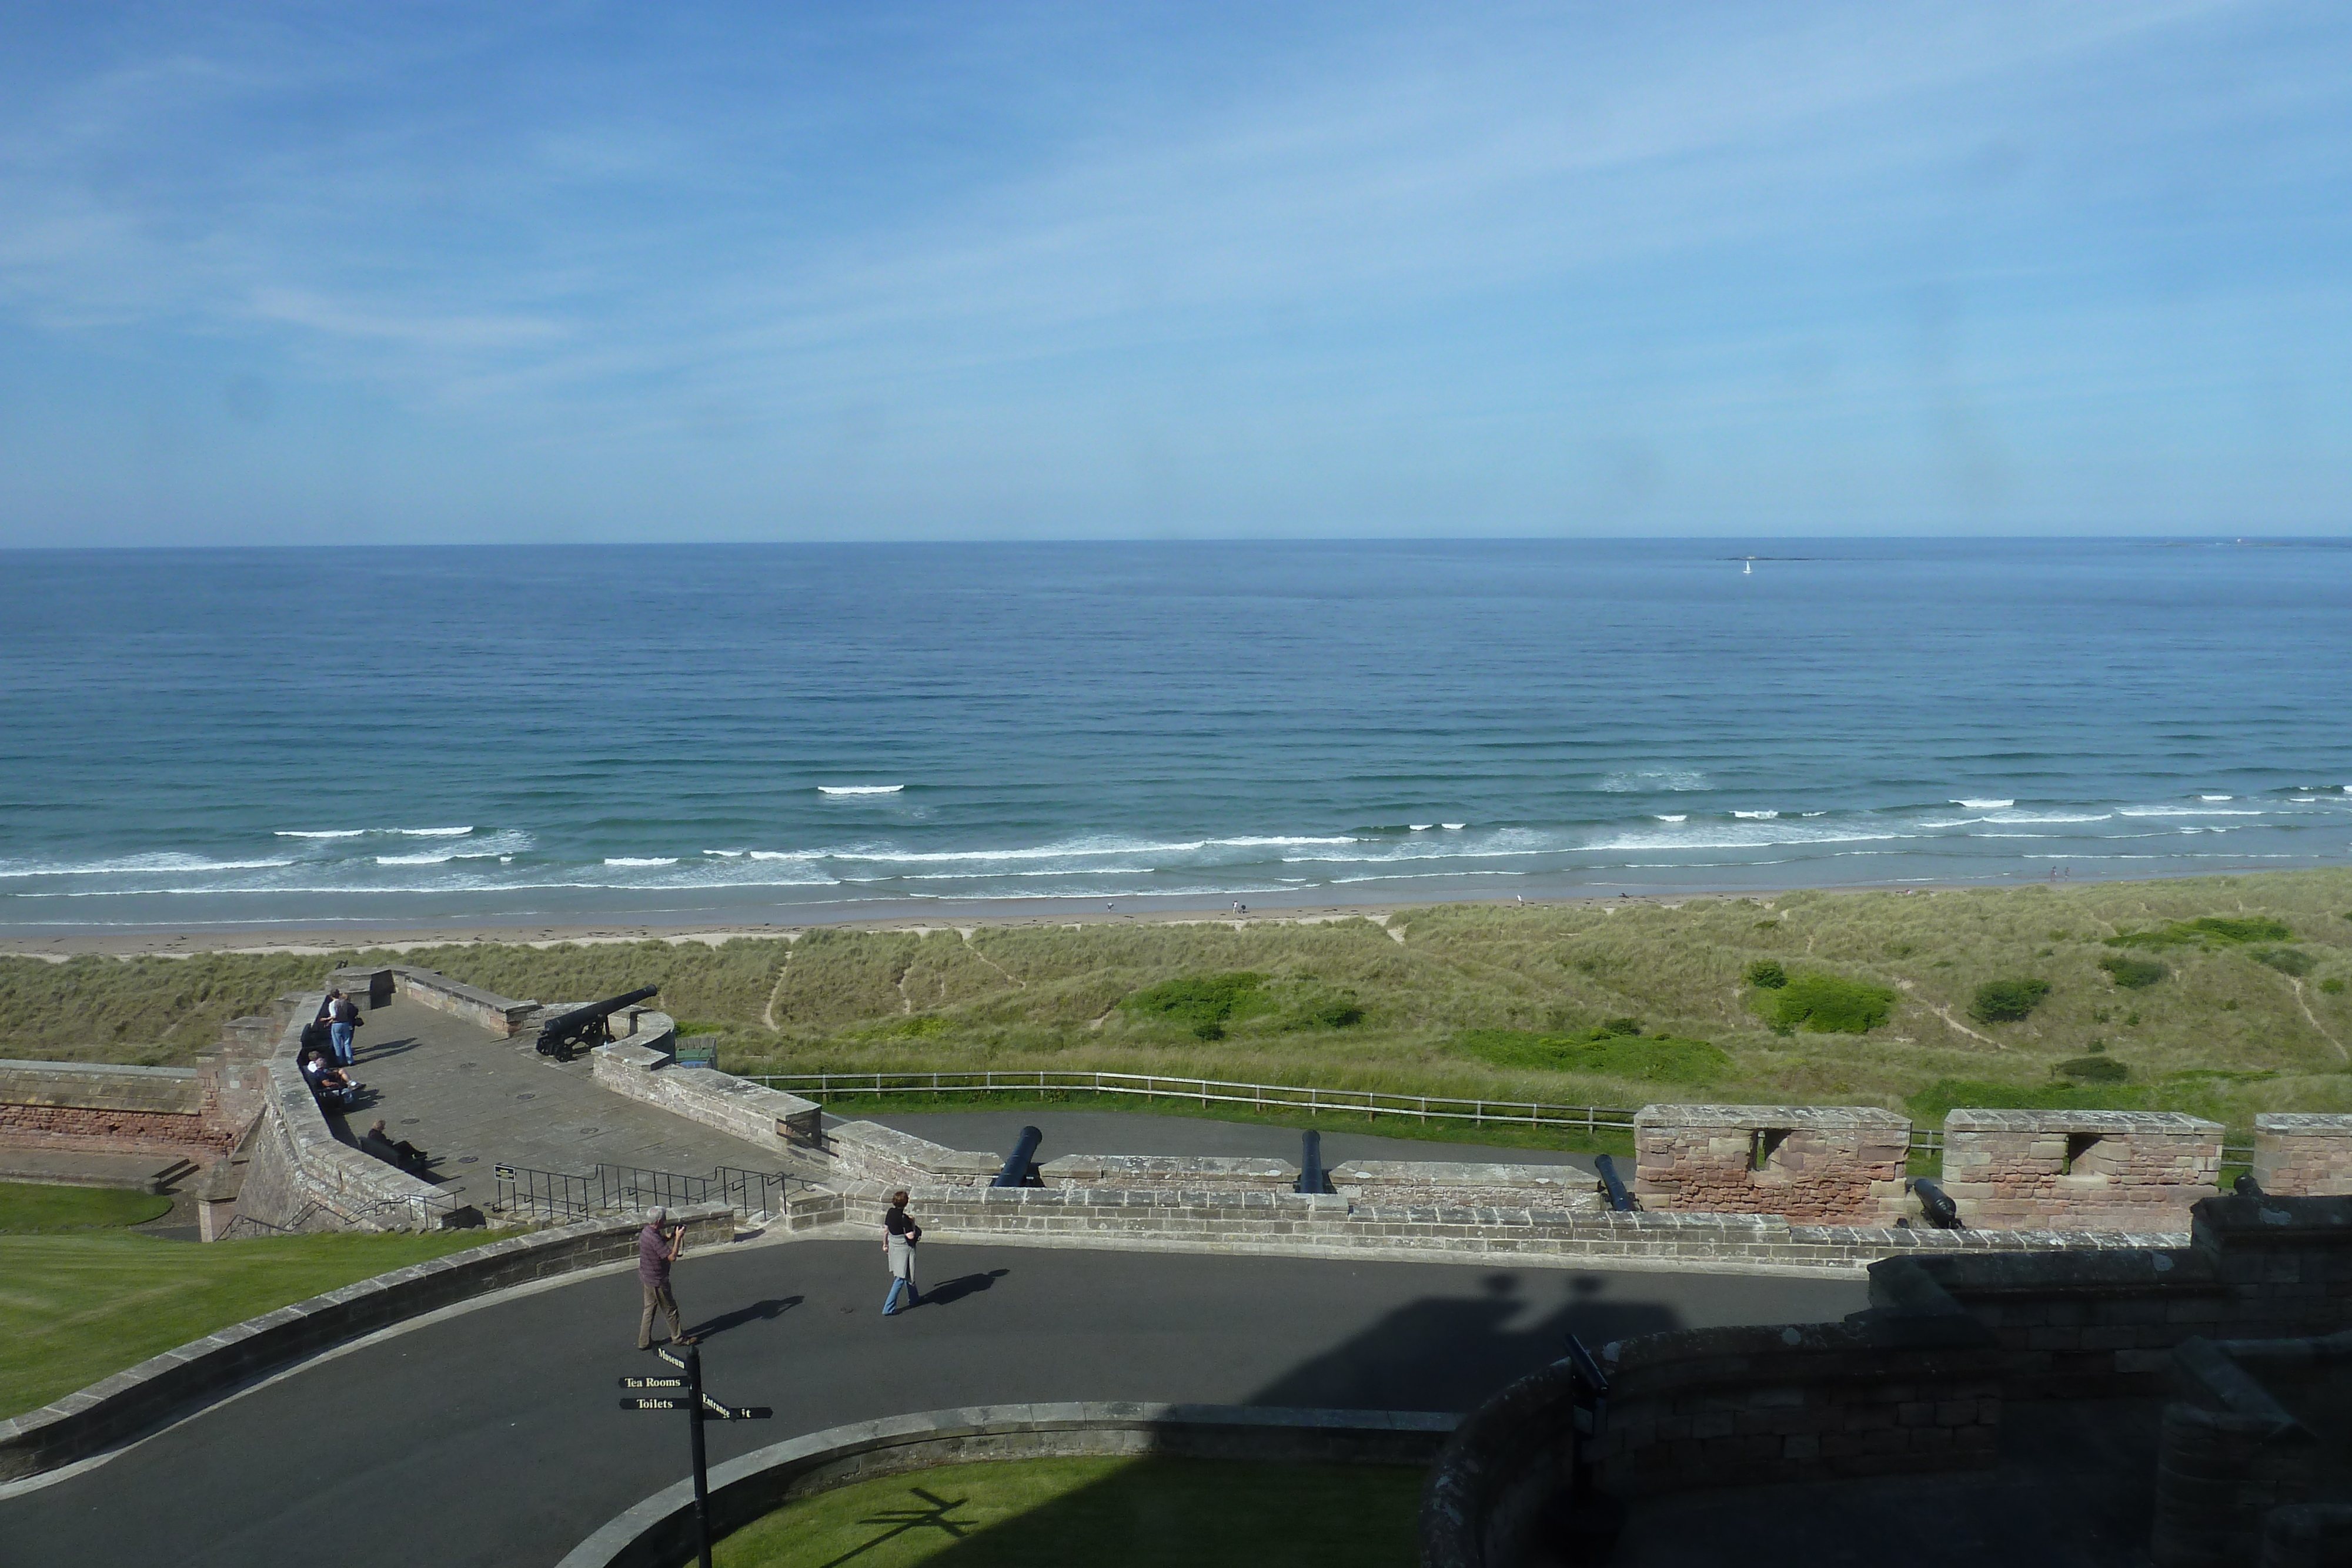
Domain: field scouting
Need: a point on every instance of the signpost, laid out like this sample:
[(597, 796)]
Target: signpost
[(686, 1394)]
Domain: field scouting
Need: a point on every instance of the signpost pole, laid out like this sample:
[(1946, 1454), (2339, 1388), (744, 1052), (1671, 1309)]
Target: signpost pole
[(701, 1473)]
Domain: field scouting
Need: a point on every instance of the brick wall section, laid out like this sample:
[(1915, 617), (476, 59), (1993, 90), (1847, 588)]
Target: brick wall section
[(1917, 1381), (2103, 1323), (2091, 1170), (2302, 1156), (2261, 1425), (1834, 1165), (1739, 1406)]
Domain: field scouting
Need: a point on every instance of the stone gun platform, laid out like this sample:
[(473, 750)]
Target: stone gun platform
[(473, 1100)]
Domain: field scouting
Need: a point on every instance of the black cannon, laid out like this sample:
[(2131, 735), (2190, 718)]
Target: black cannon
[(1019, 1166), (2246, 1186), (1583, 1522), (1312, 1177), (581, 1028), (1612, 1187), (1937, 1206)]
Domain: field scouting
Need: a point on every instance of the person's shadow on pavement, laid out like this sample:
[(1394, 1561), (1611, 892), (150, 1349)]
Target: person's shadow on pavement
[(949, 1291), (771, 1309)]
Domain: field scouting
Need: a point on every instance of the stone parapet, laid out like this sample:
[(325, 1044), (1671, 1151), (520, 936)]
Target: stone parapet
[(502, 1016), (644, 1066), (2088, 1169), (1206, 1173), (2300, 1155), (302, 1177), (1824, 1164), (1291, 1223), (95, 1086), (1920, 1379), (1458, 1184)]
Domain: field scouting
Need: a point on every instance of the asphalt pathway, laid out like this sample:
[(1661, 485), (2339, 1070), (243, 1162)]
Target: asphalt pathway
[(495, 1437)]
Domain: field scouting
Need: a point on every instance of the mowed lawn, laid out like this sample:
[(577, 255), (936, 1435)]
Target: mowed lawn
[(78, 1305), (1078, 1513)]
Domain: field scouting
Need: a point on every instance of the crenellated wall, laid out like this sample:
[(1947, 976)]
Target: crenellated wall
[(1831, 1164), (2302, 1156), (2116, 1170)]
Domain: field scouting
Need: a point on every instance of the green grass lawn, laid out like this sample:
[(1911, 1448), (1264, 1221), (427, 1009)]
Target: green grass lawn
[(1083, 1513), (74, 1308), (31, 1208)]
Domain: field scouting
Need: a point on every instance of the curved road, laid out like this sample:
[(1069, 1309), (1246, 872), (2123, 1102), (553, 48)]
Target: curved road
[(495, 1437)]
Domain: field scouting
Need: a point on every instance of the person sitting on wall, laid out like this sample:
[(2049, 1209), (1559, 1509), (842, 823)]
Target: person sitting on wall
[(404, 1154), (329, 1085)]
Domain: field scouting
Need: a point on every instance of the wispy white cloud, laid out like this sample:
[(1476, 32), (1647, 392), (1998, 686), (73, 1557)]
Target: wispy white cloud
[(1001, 241)]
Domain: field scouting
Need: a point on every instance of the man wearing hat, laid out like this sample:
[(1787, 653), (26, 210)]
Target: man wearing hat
[(659, 1245)]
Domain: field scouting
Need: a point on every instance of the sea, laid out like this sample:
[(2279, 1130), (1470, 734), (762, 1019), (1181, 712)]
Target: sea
[(695, 735)]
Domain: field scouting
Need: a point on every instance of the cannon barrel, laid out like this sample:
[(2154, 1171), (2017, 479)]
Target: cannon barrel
[(2246, 1186), (1612, 1186), (1587, 1370), (1016, 1164), (1312, 1177), (562, 1035), (1937, 1206)]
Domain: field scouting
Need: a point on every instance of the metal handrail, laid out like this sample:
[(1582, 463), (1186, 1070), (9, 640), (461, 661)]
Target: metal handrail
[(621, 1189), (1371, 1103)]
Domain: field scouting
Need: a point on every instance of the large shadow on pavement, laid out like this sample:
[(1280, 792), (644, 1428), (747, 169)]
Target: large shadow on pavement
[(1440, 1352)]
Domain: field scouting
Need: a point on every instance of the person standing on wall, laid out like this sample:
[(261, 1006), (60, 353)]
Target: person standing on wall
[(899, 1234), (343, 1018), (659, 1245)]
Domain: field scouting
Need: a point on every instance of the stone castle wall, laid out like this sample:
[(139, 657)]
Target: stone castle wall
[(1833, 1164), (2122, 1170), (1918, 1382), (2302, 1156)]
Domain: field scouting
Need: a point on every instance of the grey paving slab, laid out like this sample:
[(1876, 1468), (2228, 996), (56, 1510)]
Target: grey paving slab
[(1136, 1133), (495, 1437), (471, 1101)]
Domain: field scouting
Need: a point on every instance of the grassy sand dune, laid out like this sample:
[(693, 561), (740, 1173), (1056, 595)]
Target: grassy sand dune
[(2224, 996)]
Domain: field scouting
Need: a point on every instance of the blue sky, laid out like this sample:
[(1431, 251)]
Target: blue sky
[(422, 273)]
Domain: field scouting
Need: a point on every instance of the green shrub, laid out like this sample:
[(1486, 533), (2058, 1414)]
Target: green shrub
[(2006, 1002), (1766, 975), (2287, 960), (1204, 1003), (2133, 974), (1660, 1059), (2205, 930), (2333, 985), (1828, 1003), (1621, 1026), (2093, 1069), (1338, 1009)]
